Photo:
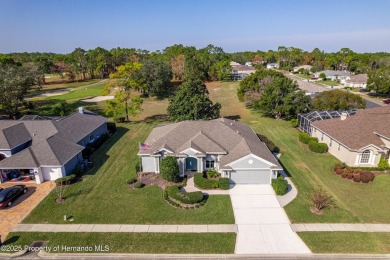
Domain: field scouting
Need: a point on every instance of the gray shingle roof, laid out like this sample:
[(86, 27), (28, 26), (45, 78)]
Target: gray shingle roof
[(13, 136), (54, 141), (225, 136)]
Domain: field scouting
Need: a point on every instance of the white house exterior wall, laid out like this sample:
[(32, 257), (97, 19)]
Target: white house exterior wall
[(343, 153), (148, 164), (51, 173)]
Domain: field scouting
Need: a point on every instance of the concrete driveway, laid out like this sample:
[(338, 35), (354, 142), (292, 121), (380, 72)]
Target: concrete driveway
[(263, 226)]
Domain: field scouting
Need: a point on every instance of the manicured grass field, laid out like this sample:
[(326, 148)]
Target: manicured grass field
[(82, 93), (366, 203), (347, 242), (103, 196), (144, 243)]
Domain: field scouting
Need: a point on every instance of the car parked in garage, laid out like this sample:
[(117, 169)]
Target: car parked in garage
[(9, 195)]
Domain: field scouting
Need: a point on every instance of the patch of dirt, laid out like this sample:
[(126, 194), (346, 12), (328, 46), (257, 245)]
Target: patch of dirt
[(153, 179), (316, 211)]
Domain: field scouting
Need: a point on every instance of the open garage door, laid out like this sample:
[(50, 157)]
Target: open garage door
[(251, 177)]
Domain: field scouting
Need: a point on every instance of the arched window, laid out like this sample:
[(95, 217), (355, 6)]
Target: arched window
[(365, 157)]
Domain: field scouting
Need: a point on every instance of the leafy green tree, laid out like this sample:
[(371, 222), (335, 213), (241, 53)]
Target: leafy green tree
[(15, 82), (62, 108), (119, 106), (191, 102), (379, 80), (124, 81), (282, 99), (337, 100), (322, 76), (220, 70), (169, 169), (156, 74)]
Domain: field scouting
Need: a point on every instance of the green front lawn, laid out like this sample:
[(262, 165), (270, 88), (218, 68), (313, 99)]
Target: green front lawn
[(347, 242), (142, 243), (103, 197), (368, 203)]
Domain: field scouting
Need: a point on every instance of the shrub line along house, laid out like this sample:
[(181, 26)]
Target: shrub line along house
[(46, 148), (358, 140), (231, 147)]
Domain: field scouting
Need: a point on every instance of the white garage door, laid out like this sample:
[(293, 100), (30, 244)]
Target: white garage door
[(251, 177)]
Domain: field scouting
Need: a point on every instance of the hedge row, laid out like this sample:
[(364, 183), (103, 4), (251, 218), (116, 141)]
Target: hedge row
[(185, 197), (65, 180), (280, 185), (306, 138), (176, 205), (317, 147), (358, 175), (207, 184)]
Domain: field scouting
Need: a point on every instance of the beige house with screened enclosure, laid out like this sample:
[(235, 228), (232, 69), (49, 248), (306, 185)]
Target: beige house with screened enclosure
[(359, 140)]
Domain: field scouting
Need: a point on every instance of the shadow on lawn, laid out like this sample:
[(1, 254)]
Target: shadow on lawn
[(11, 240), (99, 157)]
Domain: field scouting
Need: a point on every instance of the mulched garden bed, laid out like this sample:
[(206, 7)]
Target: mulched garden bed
[(153, 179)]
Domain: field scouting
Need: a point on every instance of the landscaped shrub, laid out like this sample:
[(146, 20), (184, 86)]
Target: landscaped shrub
[(271, 146), (339, 171), (139, 185), (344, 174), (318, 147), (111, 127), (356, 177), (212, 173), (280, 185), (349, 175), (304, 138), (169, 169), (224, 183), (203, 183), (78, 171), (321, 200), (65, 180), (184, 197), (294, 122), (383, 163), (131, 180)]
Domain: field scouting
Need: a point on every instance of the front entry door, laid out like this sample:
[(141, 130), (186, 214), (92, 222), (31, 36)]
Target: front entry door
[(191, 163)]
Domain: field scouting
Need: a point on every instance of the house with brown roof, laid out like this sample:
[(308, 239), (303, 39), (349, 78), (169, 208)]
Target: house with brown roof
[(356, 81), (46, 148), (230, 147), (358, 140)]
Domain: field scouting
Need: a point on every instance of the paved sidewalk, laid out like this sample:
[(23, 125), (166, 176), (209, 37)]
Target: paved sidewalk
[(125, 228), (341, 227)]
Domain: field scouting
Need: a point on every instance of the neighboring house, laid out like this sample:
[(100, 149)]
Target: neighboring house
[(239, 72), (248, 63), (232, 148), (305, 67), (310, 89), (46, 148), (356, 81), (334, 75), (359, 140), (272, 66), (233, 64)]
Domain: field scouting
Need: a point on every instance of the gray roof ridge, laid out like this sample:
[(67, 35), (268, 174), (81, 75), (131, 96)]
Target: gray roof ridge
[(201, 133), (33, 156)]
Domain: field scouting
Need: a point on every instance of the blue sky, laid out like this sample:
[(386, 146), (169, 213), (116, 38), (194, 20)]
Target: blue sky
[(239, 25)]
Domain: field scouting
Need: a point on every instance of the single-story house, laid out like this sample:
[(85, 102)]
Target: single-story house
[(273, 66), (305, 67), (233, 64), (356, 81), (334, 75), (358, 140), (46, 148), (239, 72), (230, 147)]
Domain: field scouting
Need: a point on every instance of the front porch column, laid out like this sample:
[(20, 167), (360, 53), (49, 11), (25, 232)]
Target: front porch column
[(200, 164)]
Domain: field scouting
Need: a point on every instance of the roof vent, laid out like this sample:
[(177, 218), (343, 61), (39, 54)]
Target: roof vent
[(81, 110), (343, 116), (231, 123), (237, 132)]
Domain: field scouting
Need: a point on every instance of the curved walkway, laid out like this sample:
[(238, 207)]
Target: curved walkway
[(291, 194)]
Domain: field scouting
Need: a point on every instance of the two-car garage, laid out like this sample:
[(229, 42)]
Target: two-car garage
[(250, 176)]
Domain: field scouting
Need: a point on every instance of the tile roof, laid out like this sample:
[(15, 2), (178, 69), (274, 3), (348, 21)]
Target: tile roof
[(358, 131), (224, 136)]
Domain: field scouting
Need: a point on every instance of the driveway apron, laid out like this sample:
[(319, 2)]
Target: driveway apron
[(263, 226)]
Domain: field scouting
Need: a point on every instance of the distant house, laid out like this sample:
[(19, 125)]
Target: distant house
[(248, 63), (305, 67), (358, 140), (273, 66), (333, 74), (232, 148), (46, 148), (239, 72), (356, 81), (234, 64)]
